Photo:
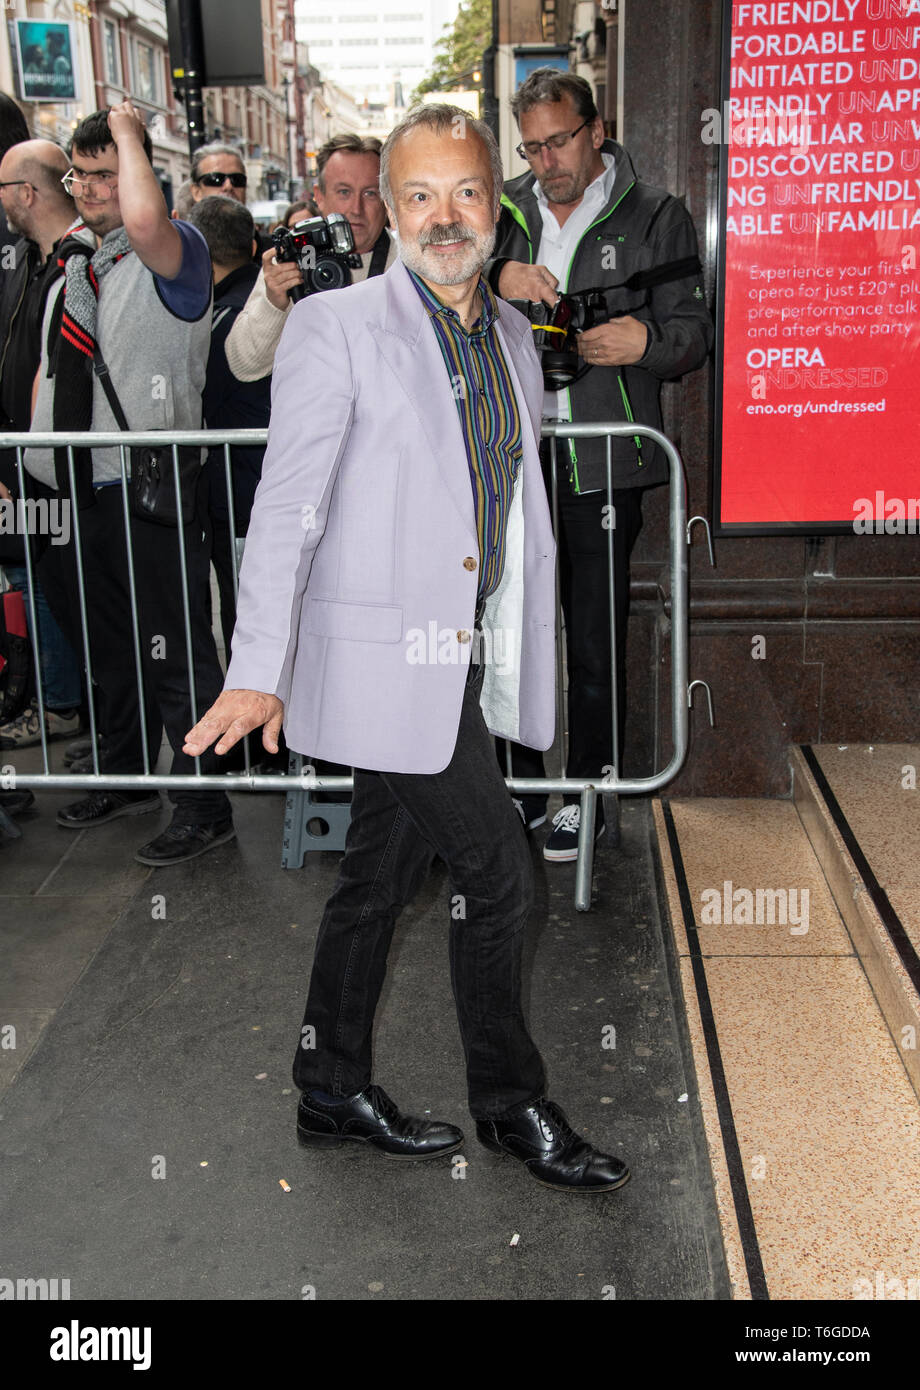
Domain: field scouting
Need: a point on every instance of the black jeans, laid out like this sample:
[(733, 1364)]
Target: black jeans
[(399, 822), (167, 696), (583, 570)]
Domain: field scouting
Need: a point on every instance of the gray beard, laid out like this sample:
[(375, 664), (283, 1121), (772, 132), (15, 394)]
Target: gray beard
[(477, 251)]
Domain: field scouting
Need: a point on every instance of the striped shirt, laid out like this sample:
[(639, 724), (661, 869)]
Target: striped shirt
[(489, 418)]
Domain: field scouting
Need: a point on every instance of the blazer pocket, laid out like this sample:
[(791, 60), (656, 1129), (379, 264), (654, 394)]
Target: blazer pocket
[(353, 622)]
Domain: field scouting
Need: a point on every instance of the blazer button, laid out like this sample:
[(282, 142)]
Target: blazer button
[(463, 636), (469, 563)]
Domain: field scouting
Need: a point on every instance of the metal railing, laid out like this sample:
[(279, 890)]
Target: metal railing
[(611, 783)]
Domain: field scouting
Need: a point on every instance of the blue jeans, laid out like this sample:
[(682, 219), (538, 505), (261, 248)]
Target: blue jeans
[(60, 671), (400, 821)]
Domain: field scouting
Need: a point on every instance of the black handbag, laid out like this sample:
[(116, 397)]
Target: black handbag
[(152, 485)]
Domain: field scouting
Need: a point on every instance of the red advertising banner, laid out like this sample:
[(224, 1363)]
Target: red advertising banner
[(819, 427)]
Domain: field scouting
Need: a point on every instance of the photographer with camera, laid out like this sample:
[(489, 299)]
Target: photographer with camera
[(581, 220), (348, 178)]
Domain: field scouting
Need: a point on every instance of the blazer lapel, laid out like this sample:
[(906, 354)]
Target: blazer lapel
[(408, 344)]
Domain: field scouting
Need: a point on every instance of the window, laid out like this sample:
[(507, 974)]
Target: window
[(403, 40), (357, 18), (356, 43), (397, 18), (110, 46), (145, 72)]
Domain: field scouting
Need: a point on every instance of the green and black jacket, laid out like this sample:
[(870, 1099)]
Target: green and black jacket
[(640, 227)]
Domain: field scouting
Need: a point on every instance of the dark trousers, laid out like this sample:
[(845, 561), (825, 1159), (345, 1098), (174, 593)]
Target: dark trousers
[(167, 699), (400, 821), (222, 560), (583, 569)]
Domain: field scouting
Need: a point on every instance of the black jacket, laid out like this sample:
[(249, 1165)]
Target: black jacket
[(646, 227), (20, 355), (229, 403)]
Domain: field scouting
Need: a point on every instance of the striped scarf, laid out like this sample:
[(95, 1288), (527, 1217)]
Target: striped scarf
[(75, 347)]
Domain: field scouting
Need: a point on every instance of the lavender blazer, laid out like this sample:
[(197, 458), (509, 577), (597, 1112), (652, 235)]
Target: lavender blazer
[(361, 567)]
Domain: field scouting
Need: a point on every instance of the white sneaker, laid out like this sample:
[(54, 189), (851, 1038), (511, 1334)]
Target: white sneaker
[(562, 842)]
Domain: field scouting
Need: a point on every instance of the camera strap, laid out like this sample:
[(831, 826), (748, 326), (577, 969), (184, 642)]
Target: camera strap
[(102, 372), (379, 254)]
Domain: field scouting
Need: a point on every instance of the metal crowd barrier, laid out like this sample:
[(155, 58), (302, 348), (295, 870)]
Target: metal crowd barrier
[(302, 780)]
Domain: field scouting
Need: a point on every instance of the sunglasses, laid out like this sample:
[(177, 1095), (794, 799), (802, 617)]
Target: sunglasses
[(218, 180)]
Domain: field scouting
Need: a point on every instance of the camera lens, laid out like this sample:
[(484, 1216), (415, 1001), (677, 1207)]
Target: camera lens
[(328, 275)]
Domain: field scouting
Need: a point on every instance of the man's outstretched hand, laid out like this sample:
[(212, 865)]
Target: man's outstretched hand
[(234, 714)]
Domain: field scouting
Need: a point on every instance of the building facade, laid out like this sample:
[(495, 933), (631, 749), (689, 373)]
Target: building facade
[(379, 52)]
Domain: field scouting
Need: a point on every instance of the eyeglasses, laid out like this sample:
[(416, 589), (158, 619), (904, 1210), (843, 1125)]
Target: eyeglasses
[(97, 184), (13, 183), (218, 180), (532, 148)]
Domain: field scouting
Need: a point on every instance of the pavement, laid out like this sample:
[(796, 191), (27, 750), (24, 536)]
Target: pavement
[(147, 1111)]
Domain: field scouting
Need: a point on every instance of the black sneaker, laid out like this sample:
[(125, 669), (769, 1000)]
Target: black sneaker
[(102, 806), (532, 810), (562, 843), (15, 803), (181, 842)]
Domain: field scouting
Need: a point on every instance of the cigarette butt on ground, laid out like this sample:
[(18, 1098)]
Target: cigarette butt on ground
[(285, 1185)]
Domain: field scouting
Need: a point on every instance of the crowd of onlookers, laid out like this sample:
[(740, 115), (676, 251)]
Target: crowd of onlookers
[(118, 313), (185, 310)]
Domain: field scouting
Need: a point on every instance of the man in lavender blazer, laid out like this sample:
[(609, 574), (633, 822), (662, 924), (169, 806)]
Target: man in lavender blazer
[(396, 607)]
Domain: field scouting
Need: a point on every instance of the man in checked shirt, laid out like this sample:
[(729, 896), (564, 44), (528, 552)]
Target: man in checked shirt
[(402, 516)]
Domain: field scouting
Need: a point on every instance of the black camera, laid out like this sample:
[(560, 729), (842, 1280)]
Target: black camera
[(555, 329), (323, 247), (555, 339)]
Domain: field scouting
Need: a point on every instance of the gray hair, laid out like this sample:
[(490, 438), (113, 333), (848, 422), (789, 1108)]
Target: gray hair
[(441, 118), (184, 202), (227, 227), (552, 84), (206, 151)]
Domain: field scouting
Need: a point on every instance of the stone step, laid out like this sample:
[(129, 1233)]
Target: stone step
[(861, 809), (812, 1124)]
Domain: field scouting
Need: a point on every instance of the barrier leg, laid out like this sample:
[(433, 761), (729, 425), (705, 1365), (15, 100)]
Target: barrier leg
[(302, 814), (611, 804), (584, 867)]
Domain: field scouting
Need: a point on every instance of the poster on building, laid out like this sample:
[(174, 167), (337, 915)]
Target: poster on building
[(46, 61), (818, 371)]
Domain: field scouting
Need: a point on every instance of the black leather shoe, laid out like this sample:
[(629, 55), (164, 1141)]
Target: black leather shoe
[(99, 807), (544, 1141), (181, 842), (373, 1118)]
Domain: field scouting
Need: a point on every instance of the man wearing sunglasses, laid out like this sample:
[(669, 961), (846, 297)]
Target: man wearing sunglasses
[(218, 169), (581, 219)]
